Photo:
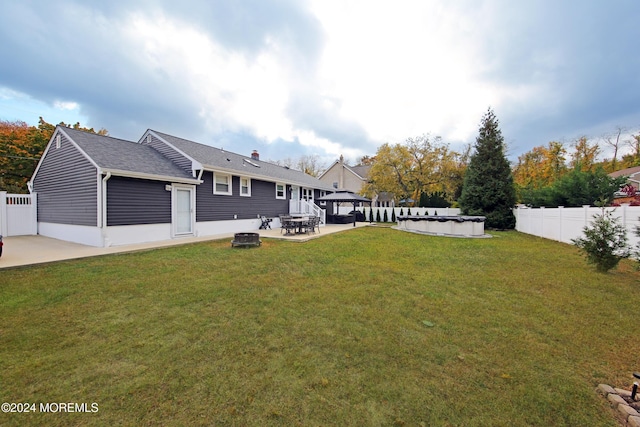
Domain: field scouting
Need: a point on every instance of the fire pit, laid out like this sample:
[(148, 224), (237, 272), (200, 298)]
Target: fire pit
[(246, 240)]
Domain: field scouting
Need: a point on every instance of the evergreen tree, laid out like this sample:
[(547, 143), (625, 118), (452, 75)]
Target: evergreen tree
[(605, 241), (386, 216), (378, 216), (393, 215), (488, 188)]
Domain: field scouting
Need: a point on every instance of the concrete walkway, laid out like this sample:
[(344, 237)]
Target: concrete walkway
[(29, 250)]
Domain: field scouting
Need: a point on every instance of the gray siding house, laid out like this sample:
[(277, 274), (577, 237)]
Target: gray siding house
[(103, 191)]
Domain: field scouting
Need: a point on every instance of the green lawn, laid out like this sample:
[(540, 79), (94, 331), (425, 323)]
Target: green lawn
[(367, 327)]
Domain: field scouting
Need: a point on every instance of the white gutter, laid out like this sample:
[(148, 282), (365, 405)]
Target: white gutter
[(130, 174), (103, 211)]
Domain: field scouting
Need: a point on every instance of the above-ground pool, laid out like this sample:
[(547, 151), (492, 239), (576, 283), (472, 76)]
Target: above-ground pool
[(450, 225)]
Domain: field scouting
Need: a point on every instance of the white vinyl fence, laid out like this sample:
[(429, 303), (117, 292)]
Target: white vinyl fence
[(564, 224), (18, 214)]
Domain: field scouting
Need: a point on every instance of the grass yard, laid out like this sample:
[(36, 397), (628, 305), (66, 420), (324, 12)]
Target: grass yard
[(367, 327)]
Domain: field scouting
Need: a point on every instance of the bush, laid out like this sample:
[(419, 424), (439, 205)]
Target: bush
[(636, 254), (605, 242), (386, 216)]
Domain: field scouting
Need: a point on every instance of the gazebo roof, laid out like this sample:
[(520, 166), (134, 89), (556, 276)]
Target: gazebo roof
[(343, 196)]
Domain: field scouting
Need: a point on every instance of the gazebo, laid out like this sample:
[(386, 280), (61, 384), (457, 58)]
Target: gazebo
[(345, 197)]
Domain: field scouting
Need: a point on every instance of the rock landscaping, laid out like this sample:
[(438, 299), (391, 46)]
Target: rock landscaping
[(621, 401)]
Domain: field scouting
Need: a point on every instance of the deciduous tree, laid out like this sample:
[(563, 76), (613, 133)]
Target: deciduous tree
[(541, 166), (419, 165), (585, 154)]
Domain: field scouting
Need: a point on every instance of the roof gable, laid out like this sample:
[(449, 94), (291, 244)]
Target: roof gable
[(124, 157), (360, 171)]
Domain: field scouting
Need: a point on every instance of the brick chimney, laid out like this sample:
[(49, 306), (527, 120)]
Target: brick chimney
[(255, 155)]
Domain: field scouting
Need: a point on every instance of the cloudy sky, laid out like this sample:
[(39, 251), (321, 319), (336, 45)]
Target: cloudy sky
[(324, 77)]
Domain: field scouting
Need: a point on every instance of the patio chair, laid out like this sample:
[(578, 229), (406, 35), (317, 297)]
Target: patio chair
[(266, 223), (286, 224), (313, 224)]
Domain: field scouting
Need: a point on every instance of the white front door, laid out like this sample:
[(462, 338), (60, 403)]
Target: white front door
[(183, 214), (295, 192)]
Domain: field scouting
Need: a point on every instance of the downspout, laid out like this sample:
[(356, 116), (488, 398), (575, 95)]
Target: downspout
[(103, 214)]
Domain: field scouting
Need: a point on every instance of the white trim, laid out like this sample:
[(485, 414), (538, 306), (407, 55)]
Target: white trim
[(174, 210), (229, 192), (248, 194), (138, 175)]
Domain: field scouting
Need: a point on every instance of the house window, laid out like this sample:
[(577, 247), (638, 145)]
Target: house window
[(57, 141), (245, 187), (221, 184), (280, 191), (307, 194)]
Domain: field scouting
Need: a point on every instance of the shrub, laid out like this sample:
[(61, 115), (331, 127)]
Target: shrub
[(393, 215), (605, 242), (386, 216), (636, 254), (378, 219)]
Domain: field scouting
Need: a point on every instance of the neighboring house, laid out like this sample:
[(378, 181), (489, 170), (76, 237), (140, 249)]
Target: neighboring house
[(102, 191), (343, 177), (633, 180)]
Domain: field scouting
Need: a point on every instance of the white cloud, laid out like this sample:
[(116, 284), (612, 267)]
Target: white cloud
[(402, 69), (233, 91), (66, 105), (326, 76)]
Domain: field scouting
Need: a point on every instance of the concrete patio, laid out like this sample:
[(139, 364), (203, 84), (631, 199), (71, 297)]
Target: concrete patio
[(30, 250)]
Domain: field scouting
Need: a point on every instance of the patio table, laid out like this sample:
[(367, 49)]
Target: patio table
[(300, 224)]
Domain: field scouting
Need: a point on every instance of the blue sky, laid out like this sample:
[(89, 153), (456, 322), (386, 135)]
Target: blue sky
[(324, 77)]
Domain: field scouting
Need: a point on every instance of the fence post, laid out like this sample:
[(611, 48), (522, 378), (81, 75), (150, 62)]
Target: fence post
[(560, 221), (34, 213), (3, 213), (586, 215)]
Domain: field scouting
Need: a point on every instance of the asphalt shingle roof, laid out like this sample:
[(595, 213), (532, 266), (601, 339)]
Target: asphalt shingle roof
[(118, 154), (216, 158)]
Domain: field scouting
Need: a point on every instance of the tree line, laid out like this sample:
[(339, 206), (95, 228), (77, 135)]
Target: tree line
[(424, 170)]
